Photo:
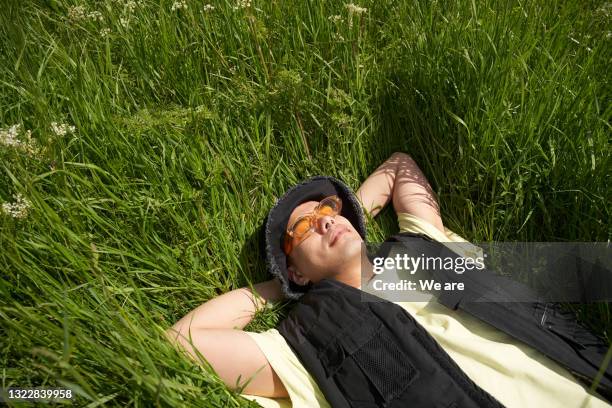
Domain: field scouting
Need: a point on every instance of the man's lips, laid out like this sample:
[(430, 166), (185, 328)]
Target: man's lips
[(335, 234)]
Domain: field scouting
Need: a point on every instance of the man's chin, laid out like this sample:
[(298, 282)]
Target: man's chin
[(348, 248)]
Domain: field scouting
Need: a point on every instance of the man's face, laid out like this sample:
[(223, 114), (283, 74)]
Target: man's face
[(328, 249)]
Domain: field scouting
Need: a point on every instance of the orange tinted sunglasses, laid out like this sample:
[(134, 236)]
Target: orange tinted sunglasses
[(304, 225)]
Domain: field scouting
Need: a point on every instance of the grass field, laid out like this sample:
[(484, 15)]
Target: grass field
[(154, 136)]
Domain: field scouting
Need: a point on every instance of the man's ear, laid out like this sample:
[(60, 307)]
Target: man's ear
[(296, 276)]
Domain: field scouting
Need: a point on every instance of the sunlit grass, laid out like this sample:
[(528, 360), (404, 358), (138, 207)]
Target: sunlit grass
[(190, 121)]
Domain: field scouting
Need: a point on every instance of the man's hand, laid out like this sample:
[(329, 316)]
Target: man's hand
[(400, 179)]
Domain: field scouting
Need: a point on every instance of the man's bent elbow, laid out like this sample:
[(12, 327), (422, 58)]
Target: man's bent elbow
[(400, 156), (179, 338), (171, 334)]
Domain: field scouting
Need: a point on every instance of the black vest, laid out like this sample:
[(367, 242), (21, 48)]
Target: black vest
[(367, 352)]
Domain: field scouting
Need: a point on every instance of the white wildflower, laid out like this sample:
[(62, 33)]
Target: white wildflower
[(105, 32), (8, 137), (95, 15), (337, 37), (354, 9), (125, 22), (335, 19), (77, 13), (131, 5), (19, 208), (242, 4), (128, 5), (605, 9), (208, 7), (180, 4), (29, 135), (61, 129)]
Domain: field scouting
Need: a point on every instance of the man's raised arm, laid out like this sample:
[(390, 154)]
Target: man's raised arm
[(215, 328), (400, 179)]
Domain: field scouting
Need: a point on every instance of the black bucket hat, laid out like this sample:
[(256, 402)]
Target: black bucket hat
[(275, 224)]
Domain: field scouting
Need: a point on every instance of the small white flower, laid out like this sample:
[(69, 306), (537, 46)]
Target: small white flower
[(77, 13), (125, 22), (335, 19), (354, 9), (105, 32), (8, 137), (177, 5), (131, 5), (18, 209), (605, 9), (208, 7), (242, 4), (61, 129), (95, 16), (128, 5)]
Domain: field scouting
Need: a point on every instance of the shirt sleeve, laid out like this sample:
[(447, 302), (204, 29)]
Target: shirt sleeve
[(301, 387)]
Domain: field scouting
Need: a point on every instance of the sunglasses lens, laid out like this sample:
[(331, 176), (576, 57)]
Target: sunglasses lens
[(301, 226), (328, 207), (327, 210)]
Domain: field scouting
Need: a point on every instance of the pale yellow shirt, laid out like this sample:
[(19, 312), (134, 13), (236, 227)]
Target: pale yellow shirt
[(512, 372)]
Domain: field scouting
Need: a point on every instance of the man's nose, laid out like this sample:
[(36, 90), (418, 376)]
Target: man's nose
[(324, 223)]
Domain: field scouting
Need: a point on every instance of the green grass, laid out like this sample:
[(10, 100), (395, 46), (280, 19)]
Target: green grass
[(189, 123)]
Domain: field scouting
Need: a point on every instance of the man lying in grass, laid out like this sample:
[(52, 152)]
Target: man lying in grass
[(320, 240)]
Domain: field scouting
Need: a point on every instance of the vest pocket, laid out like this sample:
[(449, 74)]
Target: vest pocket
[(375, 373)]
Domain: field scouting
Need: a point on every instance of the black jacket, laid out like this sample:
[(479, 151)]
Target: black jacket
[(366, 352)]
